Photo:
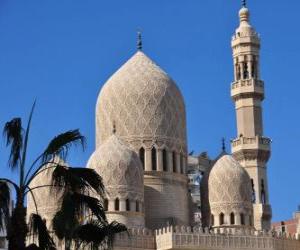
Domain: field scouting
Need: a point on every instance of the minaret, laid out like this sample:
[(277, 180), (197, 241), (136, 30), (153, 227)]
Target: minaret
[(250, 147)]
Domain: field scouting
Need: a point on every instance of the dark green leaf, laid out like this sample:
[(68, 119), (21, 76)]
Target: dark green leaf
[(13, 132)]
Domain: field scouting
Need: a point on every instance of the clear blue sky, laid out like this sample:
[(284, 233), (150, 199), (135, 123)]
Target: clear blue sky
[(62, 51)]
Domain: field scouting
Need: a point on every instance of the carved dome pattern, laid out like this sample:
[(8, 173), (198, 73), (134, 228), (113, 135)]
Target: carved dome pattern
[(229, 185), (120, 168), (144, 103)]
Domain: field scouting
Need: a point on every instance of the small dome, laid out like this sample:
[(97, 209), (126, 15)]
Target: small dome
[(120, 168), (47, 202), (144, 103), (229, 186)]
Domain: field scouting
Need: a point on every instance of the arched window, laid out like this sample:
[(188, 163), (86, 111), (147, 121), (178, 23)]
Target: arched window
[(246, 71), (117, 204), (174, 161), (212, 220), (142, 156), (254, 68), (127, 205), (153, 156), (242, 219), (232, 219), (263, 193), (105, 204), (253, 192), (137, 206), (165, 160), (250, 220), (221, 219), (238, 72)]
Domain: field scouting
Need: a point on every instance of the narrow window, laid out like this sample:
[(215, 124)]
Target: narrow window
[(250, 220), (165, 160), (246, 72), (105, 204), (117, 204), (212, 220), (232, 219), (153, 154), (137, 206), (142, 157), (254, 68), (127, 205), (221, 219), (253, 192), (263, 193), (242, 219), (238, 72), (174, 162)]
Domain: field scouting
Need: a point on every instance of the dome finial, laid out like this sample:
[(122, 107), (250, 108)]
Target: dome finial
[(139, 40), (244, 3), (223, 145)]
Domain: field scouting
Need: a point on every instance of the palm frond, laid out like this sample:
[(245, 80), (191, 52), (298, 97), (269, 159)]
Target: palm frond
[(37, 227), (4, 205), (112, 229), (91, 233), (77, 179), (13, 132), (66, 219), (85, 203), (61, 144), (97, 233)]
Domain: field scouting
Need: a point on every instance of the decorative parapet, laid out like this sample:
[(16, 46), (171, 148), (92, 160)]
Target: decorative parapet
[(197, 238), (257, 142), (136, 238), (247, 86)]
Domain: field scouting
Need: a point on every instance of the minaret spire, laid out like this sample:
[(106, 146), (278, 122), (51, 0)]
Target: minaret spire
[(244, 3), (139, 40)]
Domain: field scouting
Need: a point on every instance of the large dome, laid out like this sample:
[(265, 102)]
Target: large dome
[(120, 168), (144, 103), (229, 187)]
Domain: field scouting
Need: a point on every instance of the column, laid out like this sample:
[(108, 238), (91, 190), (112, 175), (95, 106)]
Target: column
[(184, 164), (122, 205), (159, 160), (111, 205), (148, 159), (237, 219), (177, 163)]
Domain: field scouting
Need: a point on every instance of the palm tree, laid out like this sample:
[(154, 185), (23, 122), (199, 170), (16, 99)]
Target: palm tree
[(81, 218), (17, 138)]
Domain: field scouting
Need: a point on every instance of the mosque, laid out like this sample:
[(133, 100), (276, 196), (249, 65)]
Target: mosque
[(141, 154)]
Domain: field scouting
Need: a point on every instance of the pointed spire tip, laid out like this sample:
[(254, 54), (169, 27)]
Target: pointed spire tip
[(139, 40)]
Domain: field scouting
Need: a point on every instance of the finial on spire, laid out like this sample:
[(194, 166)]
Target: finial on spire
[(139, 40), (244, 3), (114, 127), (223, 145)]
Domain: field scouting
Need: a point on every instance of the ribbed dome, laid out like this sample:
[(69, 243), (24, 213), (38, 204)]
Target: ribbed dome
[(143, 102), (120, 168), (229, 185)]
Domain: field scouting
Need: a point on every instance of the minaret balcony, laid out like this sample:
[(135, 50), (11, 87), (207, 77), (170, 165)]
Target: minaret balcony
[(248, 143), (245, 87)]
